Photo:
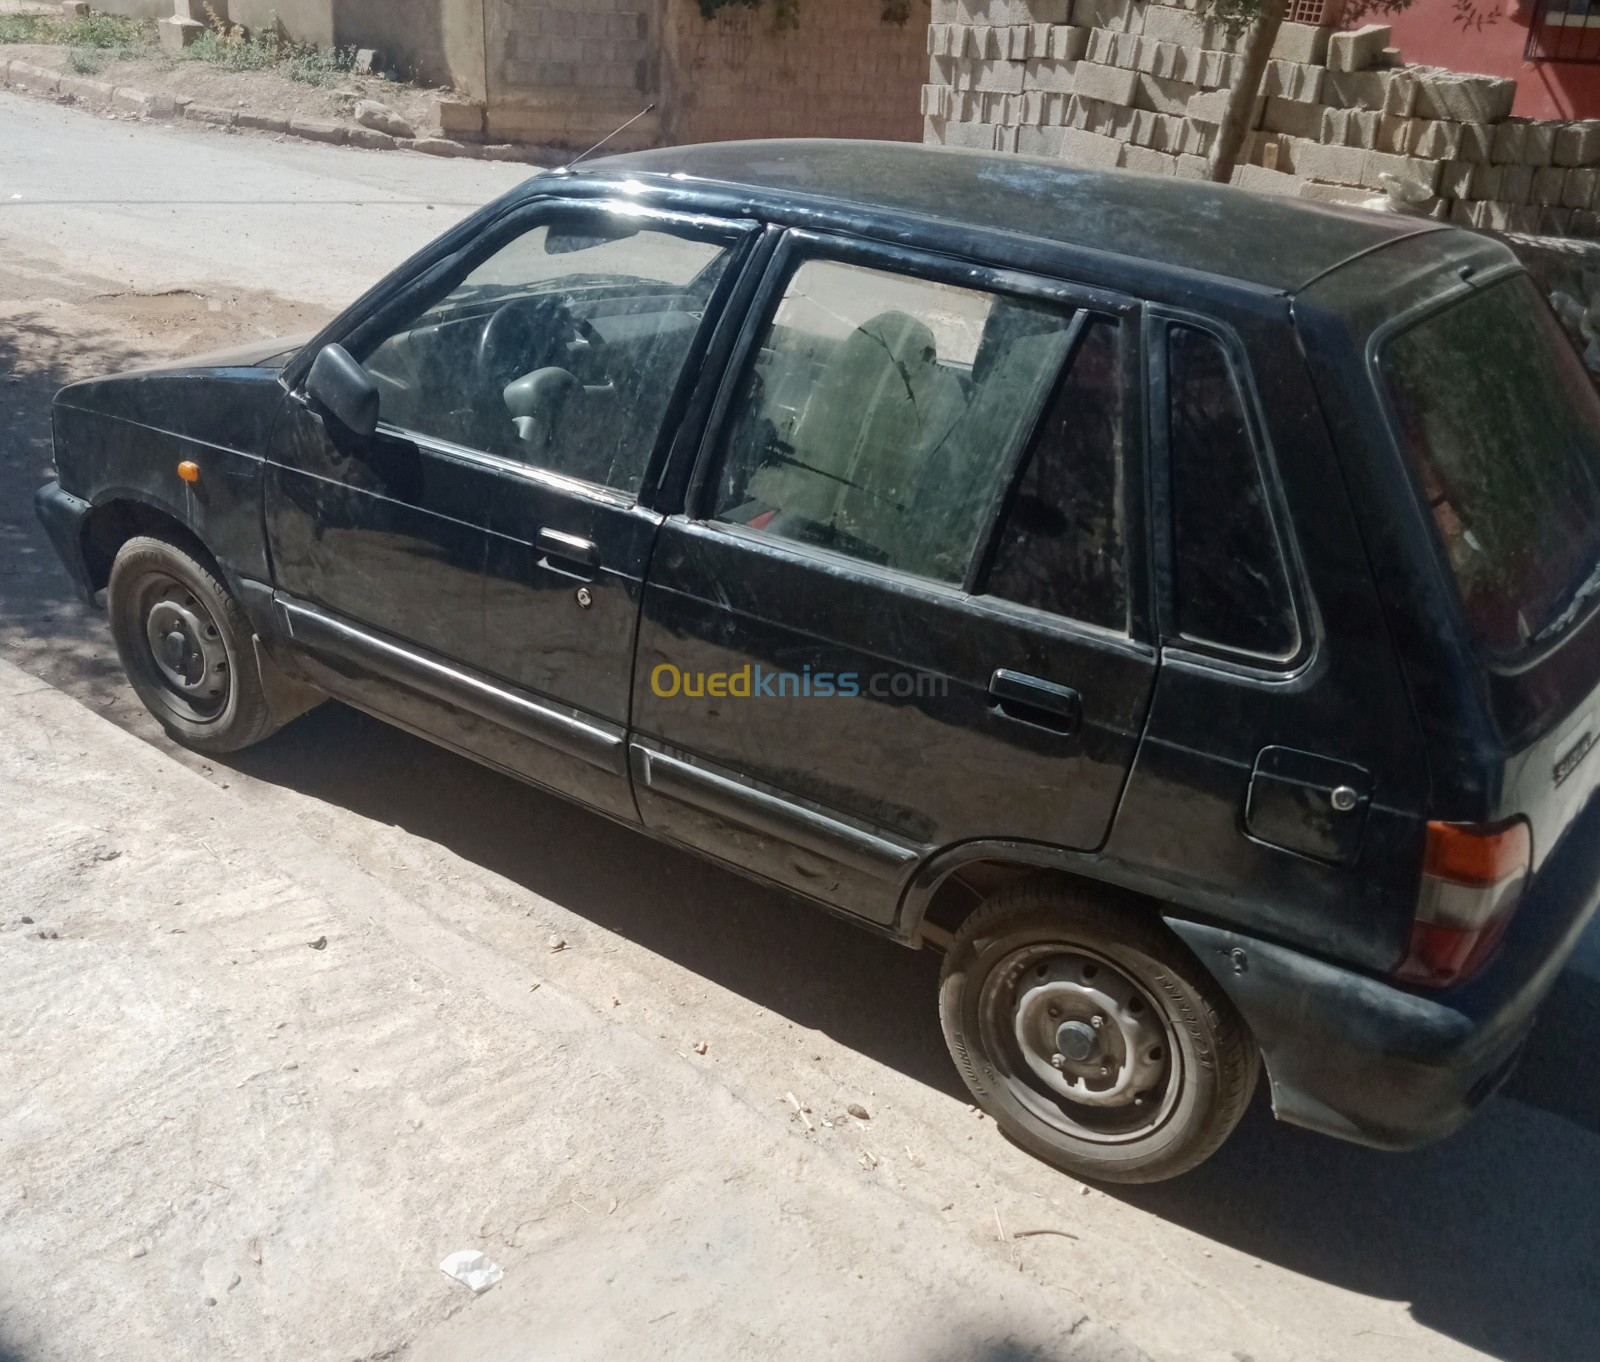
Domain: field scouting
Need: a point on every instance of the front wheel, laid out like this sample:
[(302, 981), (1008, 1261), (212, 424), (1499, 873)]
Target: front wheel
[(187, 647), (1093, 1037)]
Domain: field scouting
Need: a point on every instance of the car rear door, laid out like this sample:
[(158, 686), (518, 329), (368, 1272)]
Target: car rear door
[(1279, 781), (474, 569), (904, 607)]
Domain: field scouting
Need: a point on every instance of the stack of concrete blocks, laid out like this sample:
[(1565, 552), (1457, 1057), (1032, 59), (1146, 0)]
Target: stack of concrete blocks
[(1142, 86)]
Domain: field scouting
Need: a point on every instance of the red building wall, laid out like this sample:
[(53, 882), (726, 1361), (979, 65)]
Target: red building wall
[(1490, 36)]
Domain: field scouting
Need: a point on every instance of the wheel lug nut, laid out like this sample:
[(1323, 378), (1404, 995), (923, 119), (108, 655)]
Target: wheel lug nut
[(1104, 1071), (1053, 1011), (1058, 1061), (1097, 1021)]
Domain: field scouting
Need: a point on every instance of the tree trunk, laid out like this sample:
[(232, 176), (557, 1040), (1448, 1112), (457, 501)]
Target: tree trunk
[(1236, 120)]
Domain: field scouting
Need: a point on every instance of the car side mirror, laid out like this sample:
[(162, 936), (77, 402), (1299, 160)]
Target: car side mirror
[(343, 389)]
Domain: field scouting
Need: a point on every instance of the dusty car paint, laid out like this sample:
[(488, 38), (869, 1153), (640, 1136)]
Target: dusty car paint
[(1198, 779)]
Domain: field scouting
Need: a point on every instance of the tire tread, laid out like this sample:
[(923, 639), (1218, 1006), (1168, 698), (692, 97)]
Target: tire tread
[(253, 720), (1237, 1059)]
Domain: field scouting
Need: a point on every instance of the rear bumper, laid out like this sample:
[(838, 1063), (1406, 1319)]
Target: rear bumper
[(62, 516), (1356, 1057)]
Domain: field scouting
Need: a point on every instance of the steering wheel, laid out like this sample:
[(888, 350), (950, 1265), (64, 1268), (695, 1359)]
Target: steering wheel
[(528, 334)]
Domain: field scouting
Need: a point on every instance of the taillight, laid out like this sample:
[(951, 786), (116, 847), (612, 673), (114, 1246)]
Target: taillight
[(1472, 881)]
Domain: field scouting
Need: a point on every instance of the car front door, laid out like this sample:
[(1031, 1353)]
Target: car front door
[(474, 568), (903, 609)]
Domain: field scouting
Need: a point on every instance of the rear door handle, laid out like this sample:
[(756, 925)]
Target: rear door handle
[(568, 555), (1029, 700)]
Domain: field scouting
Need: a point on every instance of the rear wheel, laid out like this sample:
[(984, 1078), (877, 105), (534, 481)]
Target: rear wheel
[(1093, 1037), (187, 647)]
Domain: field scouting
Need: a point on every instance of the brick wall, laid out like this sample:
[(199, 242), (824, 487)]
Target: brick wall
[(843, 73)]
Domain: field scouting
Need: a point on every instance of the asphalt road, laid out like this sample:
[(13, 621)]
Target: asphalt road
[(432, 1106), (156, 206)]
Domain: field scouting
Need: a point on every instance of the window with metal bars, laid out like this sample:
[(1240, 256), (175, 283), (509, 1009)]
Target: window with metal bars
[(1564, 31)]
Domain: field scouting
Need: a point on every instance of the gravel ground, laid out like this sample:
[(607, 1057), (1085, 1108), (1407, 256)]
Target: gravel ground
[(257, 92)]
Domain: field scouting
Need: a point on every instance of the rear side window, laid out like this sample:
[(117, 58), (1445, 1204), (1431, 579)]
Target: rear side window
[(882, 413), (1061, 544), (1231, 582), (1502, 427)]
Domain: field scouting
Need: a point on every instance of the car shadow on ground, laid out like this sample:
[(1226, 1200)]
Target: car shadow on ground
[(43, 626), (1492, 1237), (773, 948)]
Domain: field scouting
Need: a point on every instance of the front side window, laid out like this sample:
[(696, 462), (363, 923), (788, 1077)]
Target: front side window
[(562, 350), (882, 415), (1502, 427), (1232, 585)]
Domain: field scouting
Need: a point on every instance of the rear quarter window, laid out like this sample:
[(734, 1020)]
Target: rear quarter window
[(1501, 427), (1232, 580)]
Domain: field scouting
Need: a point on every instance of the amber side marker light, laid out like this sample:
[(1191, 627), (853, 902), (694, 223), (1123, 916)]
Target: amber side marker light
[(1472, 882), (189, 472)]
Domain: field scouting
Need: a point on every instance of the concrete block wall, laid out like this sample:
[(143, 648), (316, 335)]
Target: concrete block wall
[(1142, 84), (843, 72), (568, 72), (600, 44), (437, 41)]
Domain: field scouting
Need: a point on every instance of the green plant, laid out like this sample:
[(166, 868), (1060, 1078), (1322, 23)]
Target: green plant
[(1238, 14), (93, 32), (268, 49), (22, 28), (108, 32), (215, 48), (1260, 22), (319, 65), (709, 9), (786, 13)]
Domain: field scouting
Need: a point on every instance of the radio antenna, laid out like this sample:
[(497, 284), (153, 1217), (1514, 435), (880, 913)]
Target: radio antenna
[(596, 147)]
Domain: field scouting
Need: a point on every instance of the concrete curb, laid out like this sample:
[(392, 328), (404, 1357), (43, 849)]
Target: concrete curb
[(101, 96)]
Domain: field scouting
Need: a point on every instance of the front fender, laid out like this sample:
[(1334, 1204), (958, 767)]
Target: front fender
[(122, 440)]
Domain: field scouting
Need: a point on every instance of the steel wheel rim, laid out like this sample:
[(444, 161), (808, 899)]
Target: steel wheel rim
[(183, 653), (1111, 1082)]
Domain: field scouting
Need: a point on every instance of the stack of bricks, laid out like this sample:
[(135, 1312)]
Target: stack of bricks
[(1143, 86)]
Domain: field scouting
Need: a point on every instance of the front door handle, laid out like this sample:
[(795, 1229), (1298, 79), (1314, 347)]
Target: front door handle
[(568, 555), (1029, 700)]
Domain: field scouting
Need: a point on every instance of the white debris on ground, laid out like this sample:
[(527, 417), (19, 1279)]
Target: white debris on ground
[(472, 1268)]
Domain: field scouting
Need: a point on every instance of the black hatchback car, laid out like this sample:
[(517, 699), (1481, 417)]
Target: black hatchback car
[(1177, 606)]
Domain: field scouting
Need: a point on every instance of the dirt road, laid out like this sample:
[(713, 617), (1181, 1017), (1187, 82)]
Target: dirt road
[(190, 1092)]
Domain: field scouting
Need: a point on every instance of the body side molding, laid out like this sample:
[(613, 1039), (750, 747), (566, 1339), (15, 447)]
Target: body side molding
[(769, 813), (583, 737)]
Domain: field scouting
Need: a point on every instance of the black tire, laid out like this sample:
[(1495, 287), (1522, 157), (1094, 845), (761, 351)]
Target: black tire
[(205, 689), (1155, 1043)]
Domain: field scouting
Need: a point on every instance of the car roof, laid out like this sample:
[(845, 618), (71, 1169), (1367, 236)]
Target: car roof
[(1275, 243)]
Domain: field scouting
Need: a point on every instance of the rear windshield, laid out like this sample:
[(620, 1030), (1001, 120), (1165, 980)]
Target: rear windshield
[(1502, 426)]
